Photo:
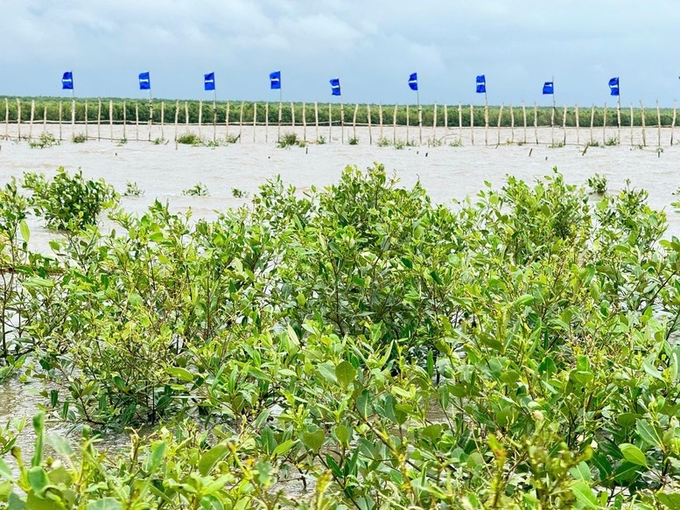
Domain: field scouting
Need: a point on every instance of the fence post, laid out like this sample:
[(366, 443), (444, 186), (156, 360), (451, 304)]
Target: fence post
[(61, 116), (304, 122), (162, 120), (564, 126), (266, 122), (472, 124), (380, 119), (137, 121), (592, 121), (632, 122), (200, 118), (99, 120), (658, 121), (512, 125), (226, 123), (110, 118), (354, 122), (604, 125), (255, 120), (176, 118), (675, 109), (524, 116), (644, 125), (578, 134), (86, 130), (240, 123), (330, 123), (536, 122), (370, 133), (30, 126), (434, 124), (394, 125), (316, 120), (500, 116), (408, 122)]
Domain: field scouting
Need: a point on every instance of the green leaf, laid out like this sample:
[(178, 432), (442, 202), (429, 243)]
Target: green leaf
[(39, 428), (364, 405), (156, 457), (283, 447), (669, 499), (105, 504), (584, 494), (345, 373), (327, 371), (210, 458), (25, 232), (180, 373), (38, 480), (343, 434), (648, 433), (314, 440), (5, 471), (633, 454)]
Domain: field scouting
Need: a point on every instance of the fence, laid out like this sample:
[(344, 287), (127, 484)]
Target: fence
[(120, 120)]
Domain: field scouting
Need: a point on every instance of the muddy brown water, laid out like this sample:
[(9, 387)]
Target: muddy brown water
[(164, 171)]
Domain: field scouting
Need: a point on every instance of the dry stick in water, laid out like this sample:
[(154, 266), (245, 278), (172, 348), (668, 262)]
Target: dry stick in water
[(564, 126), (266, 122), (578, 134), (675, 108), (240, 123), (99, 120), (420, 123), (61, 116), (536, 122), (73, 117), (6, 118), (460, 123), (592, 122), (618, 122), (370, 133), (110, 119), (380, 119), (254, 120), (18, 119), (186, 117), (342, 122), (354, 122), (176, 118), (434, 124), (278, 134), (214, 120), (472, 124), (524, 116), (136, 121), (86, 131), (658, 123), (226, 122), (200, 118), (45, 120), (30, 126), (500, 117), (150, 123), (512, 125), (632, 123), (304, 122), (408, 121), (394, 126), (162, 120), (644, 125), (604, 125), (124, 121), (316, 120), (330, 123)]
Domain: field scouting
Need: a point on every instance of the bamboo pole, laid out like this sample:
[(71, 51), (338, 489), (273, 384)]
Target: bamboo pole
[(316, 120), (578, 130), (45, 119), (644, 125), (408, 122), (278, 134), (136, 120), (618, 122), (214, 117), (61, 115), (460, 123), (658, 123), (240, 124), (592, 121), (420, 122), (292, 115), (536, 122), (200, 119), (162, 120), (330, 123), (604, 125), (124, 120), (675, 109), (86, 129), (99, 120), (354, 121), (500, 116), (486, 123), (186, 117), (342, 121), (226, 122), (7, 118), (254, 120), (394, 126), (524, 116), (304, 122), (30, 126), (73, 117), (380, 119), (632, 122), (434, 123), (370, 132), (150, 123), (552, 123), (176, 118), (512, 125), (110, 118), (266, 122), (472, 124), (18, 119), (564, 126)]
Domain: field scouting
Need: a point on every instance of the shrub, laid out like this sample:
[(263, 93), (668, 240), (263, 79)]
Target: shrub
[(290, 139), (354, 141), (68, 202), (132, 190), (189, 139), (199, 190), (45, 140), (78, 138), (597, 184)]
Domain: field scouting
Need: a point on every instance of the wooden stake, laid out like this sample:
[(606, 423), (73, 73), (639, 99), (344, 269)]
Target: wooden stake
[(136, 120), (658, 122), (486, 123), (292, 115), (124, 121), (564, 126), (110, 119), (226, 123), (73, 117), (278, 134), (61, 115), (99, 120), (644, 125), (446, 120), (472, 124), (434, 123), (254, 120), (30, 126), (618, 122), (632, 122), (354, 121), (316, 120), (394, 126), (18, 119), (460, 123), (240, 123), (380, 119), (342, 122), (200, 119), (176, 119), (604, 125), (420, 123), (536, 122), (524, 116), (186, 116), (675, 109), (162, 120), (592, 121), (304, 122), (266, 122), (408, 121), (330, 123), (552, 124), (6, 118), (86, 130), (370, 133), (512, 125), (45, 119), (500, 116), (578, 131), (150, 119)]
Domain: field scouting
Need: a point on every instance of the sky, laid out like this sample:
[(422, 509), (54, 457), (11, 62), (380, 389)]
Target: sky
[(371, 45)]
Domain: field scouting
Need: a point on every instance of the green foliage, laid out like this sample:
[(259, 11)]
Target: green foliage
[(198, 190), (354, 141), (238, 193), (290, 140), (516, 351), (610, 142), (132, 190), (78, 138), (597, 184), (384, 142), (68, 202), (45, 140), (321, 140), (189, 139)]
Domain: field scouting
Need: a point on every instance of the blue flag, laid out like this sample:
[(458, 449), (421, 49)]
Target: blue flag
[(481, 84), (335, 86), (67, 81), (209, 81), (413, 81), (275, 80), (614, 86), (548, 87), (144, 81)]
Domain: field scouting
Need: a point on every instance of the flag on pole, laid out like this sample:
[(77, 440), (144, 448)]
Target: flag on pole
[(275, 80), (614, 86), (413, 81), (144, 81), (481, 84), (549, 88), (209, 81), (335, 87), (67, 81)]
